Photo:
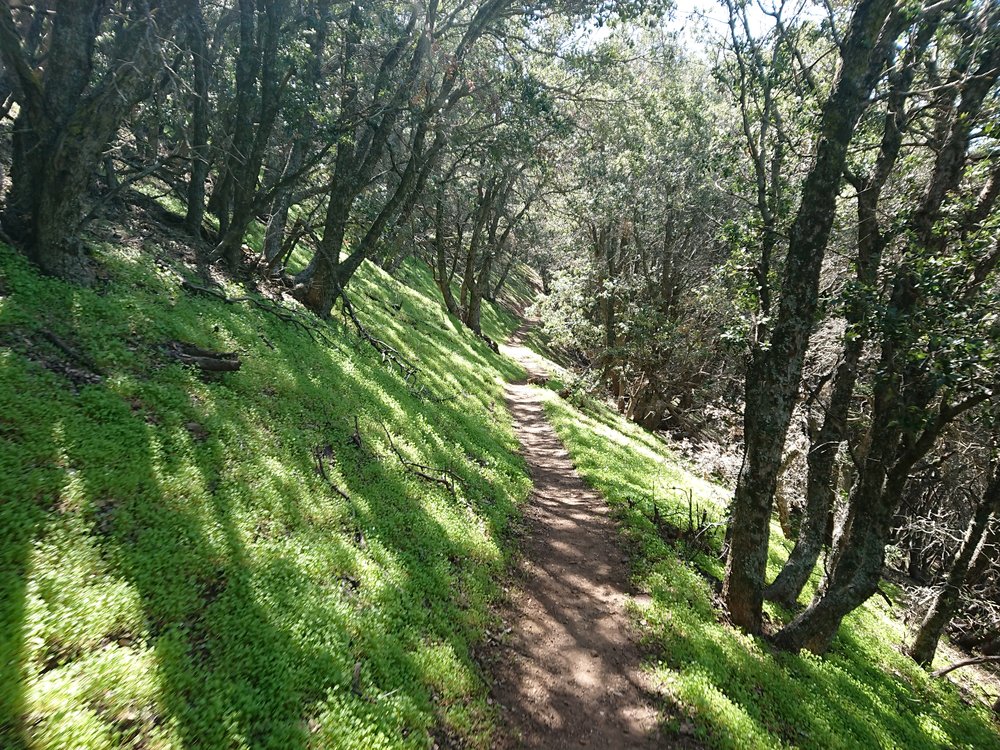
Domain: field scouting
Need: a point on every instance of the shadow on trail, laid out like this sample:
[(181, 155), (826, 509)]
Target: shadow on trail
[(570, 676)]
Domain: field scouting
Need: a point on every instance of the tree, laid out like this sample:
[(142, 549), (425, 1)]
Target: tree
[(775, 366), (871, 240), (70, 108), (634, 229), (403, 72), (935, 338), (261, 77), (945, 602)]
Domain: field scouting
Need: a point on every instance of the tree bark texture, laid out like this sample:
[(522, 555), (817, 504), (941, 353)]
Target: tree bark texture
[(773, 374), (902, 388), (66, 120)]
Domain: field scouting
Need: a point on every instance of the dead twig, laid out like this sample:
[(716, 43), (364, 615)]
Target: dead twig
[(447, 479), (71, 352), (318, 454), (964, 663), (389, 354), (356, 436)]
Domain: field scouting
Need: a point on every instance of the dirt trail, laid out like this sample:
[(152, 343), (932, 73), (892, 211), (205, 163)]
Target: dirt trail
[(569, 675)]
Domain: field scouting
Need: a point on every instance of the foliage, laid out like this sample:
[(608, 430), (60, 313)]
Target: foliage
[(635, 244)]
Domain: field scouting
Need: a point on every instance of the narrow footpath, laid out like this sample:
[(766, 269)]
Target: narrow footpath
[(568, 675)]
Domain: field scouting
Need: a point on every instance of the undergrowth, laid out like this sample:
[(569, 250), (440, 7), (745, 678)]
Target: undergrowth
[(729, 690), (225, 561)]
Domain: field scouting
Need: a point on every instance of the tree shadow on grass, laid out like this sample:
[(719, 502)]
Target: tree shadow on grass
[(29, 469), (243, 582), (737, 690)]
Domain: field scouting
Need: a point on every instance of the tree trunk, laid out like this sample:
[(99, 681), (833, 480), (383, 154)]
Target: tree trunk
[(903, 389), (43, 203), (476, 296), (319, 284), (65, 124), (942, 609), (822, 458), (199, 125), (774, 373), (860, 555), (781, 494), (256, 70), (498, 287), (820, 484), (443, 277)]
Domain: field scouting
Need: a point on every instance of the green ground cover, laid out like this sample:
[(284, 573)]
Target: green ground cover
[(729, 690), (174, 569)]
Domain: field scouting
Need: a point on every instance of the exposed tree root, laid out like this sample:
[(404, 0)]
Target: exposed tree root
[(279, 311)]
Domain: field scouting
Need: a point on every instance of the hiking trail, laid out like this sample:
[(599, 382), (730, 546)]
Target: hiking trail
[(568, 674)]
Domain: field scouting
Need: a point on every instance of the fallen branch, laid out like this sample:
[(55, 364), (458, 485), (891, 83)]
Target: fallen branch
[(71, 352), (279, 311), (965, 663), (203, 359), (318, 454), (447, 479), (406, 368)]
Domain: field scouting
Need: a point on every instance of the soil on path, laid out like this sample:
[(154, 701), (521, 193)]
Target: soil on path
[(568, 675)]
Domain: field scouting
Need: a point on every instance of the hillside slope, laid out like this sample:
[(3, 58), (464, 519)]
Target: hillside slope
[(724, 688), (272, 557)]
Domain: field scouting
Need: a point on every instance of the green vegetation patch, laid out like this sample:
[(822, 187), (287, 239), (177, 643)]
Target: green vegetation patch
[(192, 560), (731, 690)]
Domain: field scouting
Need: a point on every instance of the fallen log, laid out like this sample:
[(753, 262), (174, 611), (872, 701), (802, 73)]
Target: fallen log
[(203, 359)]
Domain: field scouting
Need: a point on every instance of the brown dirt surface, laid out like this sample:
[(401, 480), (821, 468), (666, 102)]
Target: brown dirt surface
[(568, 674)]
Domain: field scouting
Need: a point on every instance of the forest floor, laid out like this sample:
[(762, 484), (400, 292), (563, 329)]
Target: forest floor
[(570, 673)]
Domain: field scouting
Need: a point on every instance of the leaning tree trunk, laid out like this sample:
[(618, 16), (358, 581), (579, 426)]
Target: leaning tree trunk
[(320, 283), (860, 554), (474, 313), (903, 390), (774, 373), (781, 494), (199, 125), (925, 640), (822, 458), (502, 281), (443, 277), (274, 234), (820, 485)]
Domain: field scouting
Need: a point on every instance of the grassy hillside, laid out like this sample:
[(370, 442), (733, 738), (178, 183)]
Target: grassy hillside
[(220, 561), (730, 690)]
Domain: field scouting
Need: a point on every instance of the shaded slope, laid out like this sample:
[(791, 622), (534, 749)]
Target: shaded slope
[(175, 570)]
